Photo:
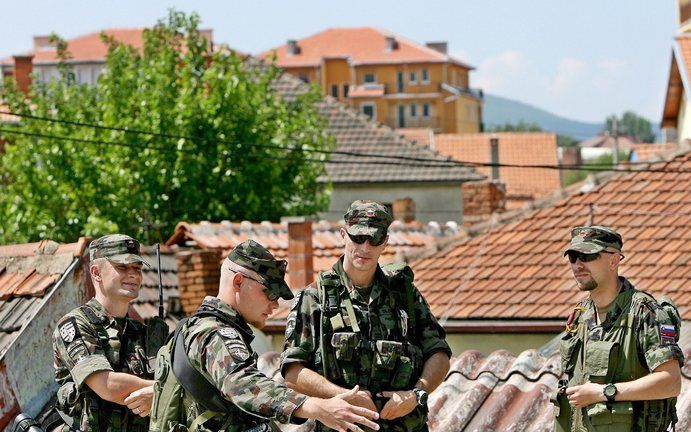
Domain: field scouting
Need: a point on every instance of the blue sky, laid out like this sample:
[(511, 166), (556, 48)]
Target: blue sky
[(583, 60)]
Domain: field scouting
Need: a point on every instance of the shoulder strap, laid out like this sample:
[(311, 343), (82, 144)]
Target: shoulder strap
[(194, 383), (90, 314), (328, 289), (400, 275)]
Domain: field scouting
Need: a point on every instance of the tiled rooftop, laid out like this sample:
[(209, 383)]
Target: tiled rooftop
[(88, 47), (500, 392), (146, 304), (608, 141), (519, 148), (354, 132), (360, 45), (653, 152), (516, 270), (27, 272), (405, 240)]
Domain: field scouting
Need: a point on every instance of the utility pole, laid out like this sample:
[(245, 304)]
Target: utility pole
[(615, 156)]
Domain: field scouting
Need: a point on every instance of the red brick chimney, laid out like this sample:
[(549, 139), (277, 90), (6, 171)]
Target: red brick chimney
[(300, 255), (481, 199), (404, 209), (199, 271), (23, 66)]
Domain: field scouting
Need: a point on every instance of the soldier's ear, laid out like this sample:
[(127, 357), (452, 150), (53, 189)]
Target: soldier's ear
[(237, 281), (95, 272)]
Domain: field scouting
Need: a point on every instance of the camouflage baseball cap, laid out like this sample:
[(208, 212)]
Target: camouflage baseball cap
[(366, 217), (253, 256), (594, 239), (119, 248)]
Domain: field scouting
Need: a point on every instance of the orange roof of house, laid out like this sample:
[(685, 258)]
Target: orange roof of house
[(86, 48), (517, 271), (521, 148), (361, 45), (678, 81), (420, 135), (653, 152)]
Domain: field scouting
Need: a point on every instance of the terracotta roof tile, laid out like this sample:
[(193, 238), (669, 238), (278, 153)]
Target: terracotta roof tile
[(504, 261), (360, 45)]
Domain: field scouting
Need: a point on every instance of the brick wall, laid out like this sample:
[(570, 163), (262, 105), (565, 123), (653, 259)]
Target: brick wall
[(481, 199), (404, 209), (23, 66), (300, 252), (199, 271)]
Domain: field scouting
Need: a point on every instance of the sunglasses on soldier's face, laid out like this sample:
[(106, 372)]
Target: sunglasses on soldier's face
[(268, 293), (573, 256), (375, 240)]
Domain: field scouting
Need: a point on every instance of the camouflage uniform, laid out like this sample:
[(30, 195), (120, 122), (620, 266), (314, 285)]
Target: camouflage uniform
[(87, 340), (629, 344), (219, 347), (385, 349)]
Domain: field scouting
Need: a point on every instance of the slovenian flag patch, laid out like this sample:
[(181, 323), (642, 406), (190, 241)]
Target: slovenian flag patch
[(668, 332)]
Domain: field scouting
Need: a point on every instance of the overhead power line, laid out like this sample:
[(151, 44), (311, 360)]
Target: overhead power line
[(388, 159)]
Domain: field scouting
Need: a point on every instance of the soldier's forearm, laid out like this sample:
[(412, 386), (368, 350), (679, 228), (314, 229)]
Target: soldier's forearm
[(664, 382), (308, 382), (115, 386), (434, 372)]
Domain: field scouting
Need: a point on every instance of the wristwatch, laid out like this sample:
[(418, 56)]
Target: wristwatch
[(610, 391), (420, 396)]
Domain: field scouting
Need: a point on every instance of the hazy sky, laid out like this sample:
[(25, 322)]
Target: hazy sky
[(581, 59)]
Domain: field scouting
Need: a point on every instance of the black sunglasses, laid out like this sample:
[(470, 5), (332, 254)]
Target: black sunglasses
[(584, 257), (375, 240), (272, 297)]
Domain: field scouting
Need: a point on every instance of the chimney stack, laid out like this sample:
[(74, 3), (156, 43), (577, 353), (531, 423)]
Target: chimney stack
[(404, 209), (494, 156), (300, 255), (23, 66), (199, 271), (293, 47), (441, 47), (391, 43)]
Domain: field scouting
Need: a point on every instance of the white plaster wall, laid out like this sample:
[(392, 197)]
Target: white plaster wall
[(684, 120), (433, 201), (29, 359)]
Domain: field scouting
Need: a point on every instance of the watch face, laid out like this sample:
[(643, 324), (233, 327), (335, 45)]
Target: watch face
[(610, 390)]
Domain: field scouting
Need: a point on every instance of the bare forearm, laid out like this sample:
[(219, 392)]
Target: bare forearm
[(115, 386), (434, 372), (310, 383), (663, 383)]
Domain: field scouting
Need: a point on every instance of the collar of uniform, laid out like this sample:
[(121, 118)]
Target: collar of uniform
[(619, 301), (100, 311), (214, 303), (346, 282)]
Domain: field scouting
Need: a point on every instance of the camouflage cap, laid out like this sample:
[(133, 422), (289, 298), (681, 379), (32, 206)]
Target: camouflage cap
[(255, 257), (594, 239), (365, 217), (119, 248)]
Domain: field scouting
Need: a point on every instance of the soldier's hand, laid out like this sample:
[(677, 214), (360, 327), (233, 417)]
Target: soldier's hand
[(581, 396), (338, 414), (139, 401), (362, 398), (400, 404)]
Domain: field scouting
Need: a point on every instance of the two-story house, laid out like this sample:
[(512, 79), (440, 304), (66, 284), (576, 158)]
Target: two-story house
[(392, 80)]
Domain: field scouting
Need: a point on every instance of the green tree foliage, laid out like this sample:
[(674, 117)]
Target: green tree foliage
[(521, 126), (632, 125), (244, 158), (598, 164)]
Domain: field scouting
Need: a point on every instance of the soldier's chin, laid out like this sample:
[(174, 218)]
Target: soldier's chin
[(259, 324)]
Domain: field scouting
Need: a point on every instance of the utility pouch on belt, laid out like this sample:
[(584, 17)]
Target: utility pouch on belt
[(68, 396), (386, 353), (345, 345), (403, 373)]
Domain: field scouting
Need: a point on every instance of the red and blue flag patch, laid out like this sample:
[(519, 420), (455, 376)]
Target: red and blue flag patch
[(668, 333)]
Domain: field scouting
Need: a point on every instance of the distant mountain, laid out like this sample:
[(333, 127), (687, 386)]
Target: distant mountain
[(498, 111)]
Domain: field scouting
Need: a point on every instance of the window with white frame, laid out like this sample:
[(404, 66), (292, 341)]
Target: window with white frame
[(413, 110), (369, 78), (412, 77), (426, 108), (424, 76)]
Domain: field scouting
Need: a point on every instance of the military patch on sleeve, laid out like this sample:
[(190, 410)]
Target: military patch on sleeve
[(69, 330), (290, 323), (77, 350), (229, 333), (237, 350), (668, 334)]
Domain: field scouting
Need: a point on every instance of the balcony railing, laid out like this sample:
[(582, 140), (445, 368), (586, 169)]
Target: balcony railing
[(433, 122)]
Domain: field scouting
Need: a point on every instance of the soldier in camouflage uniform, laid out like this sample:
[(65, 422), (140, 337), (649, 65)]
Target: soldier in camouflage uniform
[(218, 345), (361, 324), (620, 350), (100, 360)]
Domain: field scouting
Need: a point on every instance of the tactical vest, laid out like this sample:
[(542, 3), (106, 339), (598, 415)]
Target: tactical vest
[(389, 356), (184, 400), (610, 360), (125, 353)]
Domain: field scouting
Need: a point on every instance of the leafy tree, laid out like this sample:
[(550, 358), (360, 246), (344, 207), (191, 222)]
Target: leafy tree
[(632, 125), (238, 151), (602, 163)]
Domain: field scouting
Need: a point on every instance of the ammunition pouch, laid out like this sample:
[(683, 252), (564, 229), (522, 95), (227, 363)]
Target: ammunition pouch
[(600, 360), (345, 344), (616, 413)]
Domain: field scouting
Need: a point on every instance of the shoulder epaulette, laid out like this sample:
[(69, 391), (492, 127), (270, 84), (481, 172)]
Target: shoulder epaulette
[(91, 315)]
